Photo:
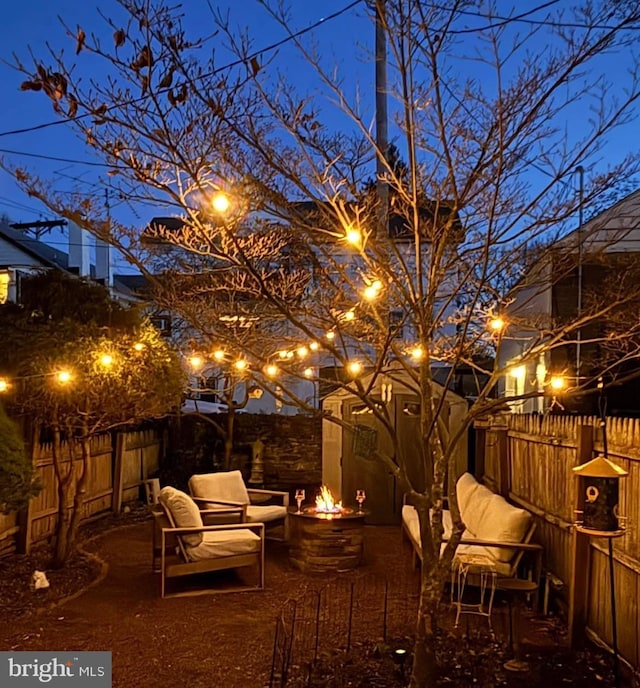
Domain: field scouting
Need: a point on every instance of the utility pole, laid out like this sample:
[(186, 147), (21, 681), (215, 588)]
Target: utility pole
[(580, 171), (382, 134)]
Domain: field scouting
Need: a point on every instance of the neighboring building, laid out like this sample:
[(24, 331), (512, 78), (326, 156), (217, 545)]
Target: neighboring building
[(22, 255), (587, 265)]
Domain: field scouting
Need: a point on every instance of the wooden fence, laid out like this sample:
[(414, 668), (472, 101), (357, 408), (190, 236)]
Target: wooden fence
[(529, 459), (118, 465)]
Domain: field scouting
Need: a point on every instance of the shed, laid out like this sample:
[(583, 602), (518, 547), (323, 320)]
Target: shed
[(348, 461)]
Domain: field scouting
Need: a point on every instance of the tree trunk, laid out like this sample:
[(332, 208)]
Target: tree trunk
[(424, 669), (69, 519), (228, 440)]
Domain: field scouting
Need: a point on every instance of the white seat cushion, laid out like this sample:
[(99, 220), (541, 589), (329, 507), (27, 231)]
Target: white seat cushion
[(225, 543), (465, 488), (500, 567), (184, 511), (266, 513), (503, 523), (227, 486), (476, 508), (412, 522)]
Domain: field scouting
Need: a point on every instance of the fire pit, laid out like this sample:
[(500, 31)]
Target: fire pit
[(327, 536)]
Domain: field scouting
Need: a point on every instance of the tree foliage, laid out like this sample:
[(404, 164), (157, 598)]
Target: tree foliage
[(17, 480), (481, 116), (117, 374)]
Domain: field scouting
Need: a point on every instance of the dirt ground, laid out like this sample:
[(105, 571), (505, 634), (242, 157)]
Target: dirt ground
[(227, 640)]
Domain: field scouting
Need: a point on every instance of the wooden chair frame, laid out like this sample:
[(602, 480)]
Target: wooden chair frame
[(178, 564)]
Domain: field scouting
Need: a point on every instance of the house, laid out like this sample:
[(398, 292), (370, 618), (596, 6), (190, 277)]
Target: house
[(21, 254), (594, 263)]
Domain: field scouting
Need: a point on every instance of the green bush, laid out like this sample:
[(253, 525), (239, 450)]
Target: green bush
[(18, 482)]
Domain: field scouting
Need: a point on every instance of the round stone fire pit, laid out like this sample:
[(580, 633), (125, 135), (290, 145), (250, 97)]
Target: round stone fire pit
[(321, 542)]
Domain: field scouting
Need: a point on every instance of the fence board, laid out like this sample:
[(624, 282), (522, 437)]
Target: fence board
[(541, 453), (145, 447)]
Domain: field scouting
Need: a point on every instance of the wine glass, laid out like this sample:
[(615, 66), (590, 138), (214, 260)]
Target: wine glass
[(361, 495), (300, 495)]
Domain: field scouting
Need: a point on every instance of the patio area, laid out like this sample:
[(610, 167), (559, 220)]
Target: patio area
[(216, 640)]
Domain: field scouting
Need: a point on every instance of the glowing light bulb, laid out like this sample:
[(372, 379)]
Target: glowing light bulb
[(353, 236), (314, 346), (557, 382), (195, 362), (302, 351), (106, 360), (218, 355), (271, 370), (330, 335), (240, 364), (417, 353), (4, 385), (220, 202), (63, 376), (308, 372), (138, 346), (349, 315), (496, 324), (354, 368)]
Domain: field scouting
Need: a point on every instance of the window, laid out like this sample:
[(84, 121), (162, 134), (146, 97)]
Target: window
[(5, 281)]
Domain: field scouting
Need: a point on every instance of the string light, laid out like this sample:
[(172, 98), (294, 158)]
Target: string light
[(354, 368), (195, 362), (373, 290), (240, 364), (220, 203), (63, 376), (138, 346), (4, 385), (496, 324), (314, 346), (106, 360), (349, 315), (271, 370), (302, 351), (219, 355), (308, 372), (353, 236), (417, 353), (557, 382), (331, 335)]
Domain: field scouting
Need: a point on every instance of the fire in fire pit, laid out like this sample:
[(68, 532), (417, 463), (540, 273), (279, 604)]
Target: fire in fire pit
[(326, 506), (325, 503)]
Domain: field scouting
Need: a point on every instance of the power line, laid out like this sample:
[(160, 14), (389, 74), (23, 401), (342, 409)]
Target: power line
[(229, 65), (40, 156)]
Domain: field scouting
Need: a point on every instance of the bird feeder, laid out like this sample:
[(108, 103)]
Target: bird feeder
[(600, 489)]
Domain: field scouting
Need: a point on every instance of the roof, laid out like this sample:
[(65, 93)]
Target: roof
[(48, 256)]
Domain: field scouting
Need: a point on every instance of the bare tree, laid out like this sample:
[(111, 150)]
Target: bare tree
[(482, 116)]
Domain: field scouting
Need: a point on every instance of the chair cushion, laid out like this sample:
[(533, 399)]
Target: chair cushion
[(225, 543), (184, 511), (227, 486), (465, 488), (476, 508), (266, 513), (412, 523), (503, 523)]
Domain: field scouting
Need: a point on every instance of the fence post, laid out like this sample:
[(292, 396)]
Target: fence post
[(116, 497), (580, 551), (501, 430)]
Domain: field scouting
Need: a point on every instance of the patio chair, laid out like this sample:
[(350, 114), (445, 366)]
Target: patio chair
[(189, 547), (227, 488)]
